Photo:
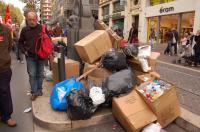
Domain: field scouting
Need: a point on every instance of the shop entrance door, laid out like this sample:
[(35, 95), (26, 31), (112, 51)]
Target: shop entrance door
[(166, 23)]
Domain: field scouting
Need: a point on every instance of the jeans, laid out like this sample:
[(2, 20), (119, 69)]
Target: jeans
[(168, 49), (152, 43), (6, 106), (175, 47), (18, 52), (35, 68)]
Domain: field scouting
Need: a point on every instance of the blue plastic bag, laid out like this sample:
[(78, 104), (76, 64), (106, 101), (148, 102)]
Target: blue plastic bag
[(58, 99)]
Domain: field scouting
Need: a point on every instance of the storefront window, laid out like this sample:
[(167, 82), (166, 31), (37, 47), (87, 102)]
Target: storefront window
[(118, 26), (152, 24), (166, 23), (187, 23)]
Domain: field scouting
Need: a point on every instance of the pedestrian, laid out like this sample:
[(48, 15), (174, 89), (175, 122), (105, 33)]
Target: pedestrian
[(58, 30), (169, 37), (152, 38), (6, 107), (18, 52), (175, 40), (184, 42), (133, 34), (197, 48), (35, 65)]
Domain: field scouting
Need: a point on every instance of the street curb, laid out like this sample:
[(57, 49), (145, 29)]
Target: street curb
[(178, 66), (45, 117), (99, 118), (188, 121)]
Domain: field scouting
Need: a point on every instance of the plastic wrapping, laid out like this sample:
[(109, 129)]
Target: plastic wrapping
[(58, 99), (80, 106), (119, 83), (130, 50), (97, 96), (114, 60)]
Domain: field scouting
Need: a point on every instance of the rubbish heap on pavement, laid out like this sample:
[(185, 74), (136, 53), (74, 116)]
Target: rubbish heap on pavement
[(121, 78)]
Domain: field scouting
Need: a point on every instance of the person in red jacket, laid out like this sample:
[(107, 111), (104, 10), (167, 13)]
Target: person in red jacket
[(6, 107)]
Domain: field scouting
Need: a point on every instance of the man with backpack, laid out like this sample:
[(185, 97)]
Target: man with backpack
[(29, 42)]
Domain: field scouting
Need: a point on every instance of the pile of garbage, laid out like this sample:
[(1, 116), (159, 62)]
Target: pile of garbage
[(153, 90), (110, 79)]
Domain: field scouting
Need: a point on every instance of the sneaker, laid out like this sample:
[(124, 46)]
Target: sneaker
[(18, 61), (40, 93), (22, 62), (33, 97), (11, 123)]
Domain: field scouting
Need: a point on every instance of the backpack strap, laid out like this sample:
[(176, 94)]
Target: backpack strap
[(43, 28)]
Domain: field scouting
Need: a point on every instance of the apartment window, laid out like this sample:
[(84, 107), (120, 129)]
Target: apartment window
[(91, 1), (118, 7), (105, 10), (135, 2)]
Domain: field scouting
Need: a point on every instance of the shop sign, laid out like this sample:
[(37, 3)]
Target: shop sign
[(166, 10)]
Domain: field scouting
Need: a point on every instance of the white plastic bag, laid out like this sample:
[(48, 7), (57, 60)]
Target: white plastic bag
[(97, 96), (48, 74), (144, 64), (152, 128), (144, 51)]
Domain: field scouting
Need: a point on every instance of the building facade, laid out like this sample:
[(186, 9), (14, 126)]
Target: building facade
[(162, 15), (62, 9), (46, 10), (120, 14)]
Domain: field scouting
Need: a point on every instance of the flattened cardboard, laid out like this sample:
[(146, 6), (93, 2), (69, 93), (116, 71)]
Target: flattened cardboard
[(132, 112), (71, 69)]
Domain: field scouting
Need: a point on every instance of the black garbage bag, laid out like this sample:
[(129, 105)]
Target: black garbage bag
[(114, 60), (117, 84), (80, 106), (130, 50)]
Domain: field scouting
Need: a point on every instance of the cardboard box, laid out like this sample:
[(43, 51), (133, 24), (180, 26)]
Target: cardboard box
[(135, 64), (132, 112), (166, 107), (97, 76), (71, 69), (93, 46), (88, 66), (100, 25), (147, 77)]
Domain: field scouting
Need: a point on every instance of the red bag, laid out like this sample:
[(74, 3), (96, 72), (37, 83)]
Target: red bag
[(45, 48)]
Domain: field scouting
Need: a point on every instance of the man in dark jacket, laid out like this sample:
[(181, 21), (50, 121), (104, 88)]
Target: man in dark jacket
[(169, 37), (133, 34), (35, 65), (197, 48), (174, 40), (6, 107)]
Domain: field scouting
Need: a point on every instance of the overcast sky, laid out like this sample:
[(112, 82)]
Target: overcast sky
[(16, 3)]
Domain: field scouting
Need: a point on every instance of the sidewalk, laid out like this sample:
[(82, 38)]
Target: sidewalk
[(169, 59)]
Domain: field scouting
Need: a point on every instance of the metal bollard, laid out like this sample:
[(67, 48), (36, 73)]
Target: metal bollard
[(61, 63)]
